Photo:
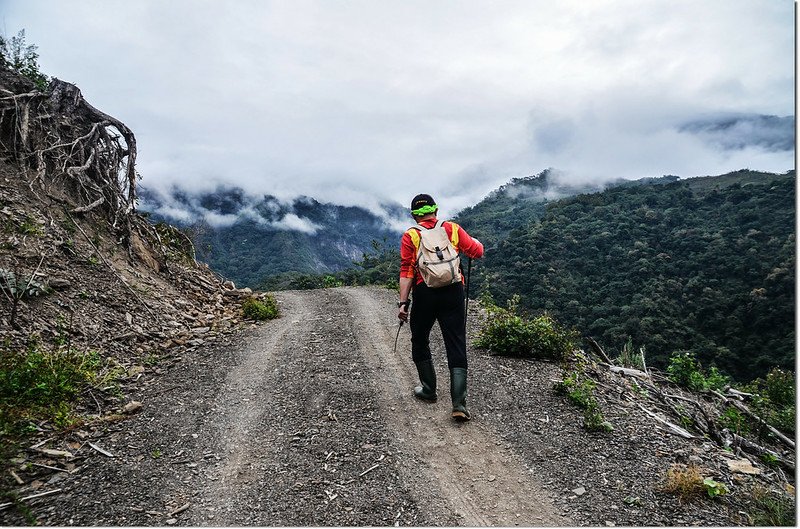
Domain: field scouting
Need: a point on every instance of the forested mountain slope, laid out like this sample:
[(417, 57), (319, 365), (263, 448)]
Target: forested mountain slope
[(248, 239), (703, 264)]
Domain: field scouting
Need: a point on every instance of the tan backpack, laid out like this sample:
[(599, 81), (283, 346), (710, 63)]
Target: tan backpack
[(437, 259)]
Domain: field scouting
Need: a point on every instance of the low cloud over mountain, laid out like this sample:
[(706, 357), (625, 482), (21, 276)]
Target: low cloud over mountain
[(249, 238), (739, 131)]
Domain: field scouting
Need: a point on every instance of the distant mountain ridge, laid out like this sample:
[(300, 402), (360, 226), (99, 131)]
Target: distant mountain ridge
[(701, 264), (247, 238), (524, 200)]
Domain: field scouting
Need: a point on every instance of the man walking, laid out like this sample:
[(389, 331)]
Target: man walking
[(428, 271)]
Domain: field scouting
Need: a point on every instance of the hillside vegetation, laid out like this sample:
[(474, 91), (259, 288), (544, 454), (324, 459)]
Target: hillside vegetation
[(703, 265)]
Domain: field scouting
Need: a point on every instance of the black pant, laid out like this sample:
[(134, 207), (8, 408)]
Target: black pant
[(446, 305)]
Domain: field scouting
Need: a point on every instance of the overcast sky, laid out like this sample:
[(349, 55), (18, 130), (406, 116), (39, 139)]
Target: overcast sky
[(355, 102)]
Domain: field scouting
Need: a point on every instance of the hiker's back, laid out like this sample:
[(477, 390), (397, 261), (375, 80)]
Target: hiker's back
[(437, 258)]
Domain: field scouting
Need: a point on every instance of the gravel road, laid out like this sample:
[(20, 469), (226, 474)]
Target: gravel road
[(308, 419)]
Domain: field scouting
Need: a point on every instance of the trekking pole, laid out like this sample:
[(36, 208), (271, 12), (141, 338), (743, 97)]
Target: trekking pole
[(397, 336), (466, 293)]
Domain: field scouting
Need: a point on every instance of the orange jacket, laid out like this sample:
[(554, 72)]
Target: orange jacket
[(409, 246)]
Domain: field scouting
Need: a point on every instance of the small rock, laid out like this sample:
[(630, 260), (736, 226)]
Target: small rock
[(610, 524), (129, 318), (246, 290), (580, 491), (492, 478), (172, 521), (743, 466), (59, 284), (229, 285), (132, 407), (201, 330)]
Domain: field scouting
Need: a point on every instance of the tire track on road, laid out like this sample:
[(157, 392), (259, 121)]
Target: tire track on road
[(485, 485), (239, 405), (303, 438)]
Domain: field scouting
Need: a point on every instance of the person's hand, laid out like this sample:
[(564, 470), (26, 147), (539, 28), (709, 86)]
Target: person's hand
[(402, 313)]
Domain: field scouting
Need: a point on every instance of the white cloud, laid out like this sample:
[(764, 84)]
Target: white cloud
[(368, 101), (292, 222), (219, 220)]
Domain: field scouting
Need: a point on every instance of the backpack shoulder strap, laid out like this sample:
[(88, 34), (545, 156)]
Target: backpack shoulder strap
[(414, 232), (454, 234)]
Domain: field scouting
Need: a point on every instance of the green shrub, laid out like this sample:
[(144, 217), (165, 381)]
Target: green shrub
[(507, 333), (774, 399), (771, 510), (579, 389), (735, 421), (42, 384), (331, 282), (715, 488), (628, 357), (256, 309), (685, 370), (779, 387)]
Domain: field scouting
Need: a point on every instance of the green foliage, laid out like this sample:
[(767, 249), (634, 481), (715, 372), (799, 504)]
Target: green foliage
[(715, 488), (255, 309), (331, 282), (629, 357), (41, 384), (29, 226), (685, 419), (508, 333), (579, 389), (707, 263), (23, 58), (774, 399), (685, 370), (771, 509), (769, 459), (734, 420)]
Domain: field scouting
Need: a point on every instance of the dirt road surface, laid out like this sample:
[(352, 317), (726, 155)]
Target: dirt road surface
[(308, 419)]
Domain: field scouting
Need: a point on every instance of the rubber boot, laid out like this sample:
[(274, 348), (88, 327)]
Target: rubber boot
[(458, 392), (427, 377)]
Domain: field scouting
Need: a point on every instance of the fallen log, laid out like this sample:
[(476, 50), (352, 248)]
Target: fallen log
[(744, 409), (628, 372), (761, 452), (671, 428)]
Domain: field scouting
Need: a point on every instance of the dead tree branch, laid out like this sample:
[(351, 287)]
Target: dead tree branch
[(598, 350)]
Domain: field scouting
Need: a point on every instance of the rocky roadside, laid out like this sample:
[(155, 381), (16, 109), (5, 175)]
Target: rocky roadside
[(614, 478)]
